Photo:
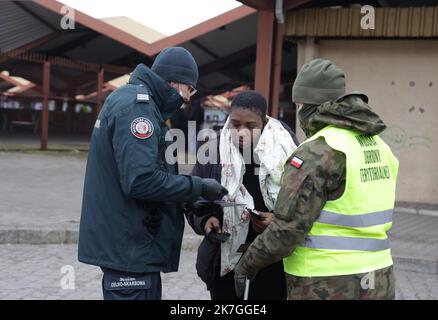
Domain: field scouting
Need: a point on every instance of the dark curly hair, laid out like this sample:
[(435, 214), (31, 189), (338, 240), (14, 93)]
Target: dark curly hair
[(251, 100)]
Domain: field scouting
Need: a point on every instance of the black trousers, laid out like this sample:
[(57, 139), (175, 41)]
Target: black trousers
[(119, 285), (269, 284)]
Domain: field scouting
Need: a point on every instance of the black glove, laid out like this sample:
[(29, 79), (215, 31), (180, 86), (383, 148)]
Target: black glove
[(212, 190), (218, 237), (202, 208)]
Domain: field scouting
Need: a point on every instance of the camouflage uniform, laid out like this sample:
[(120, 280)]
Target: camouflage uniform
[(304, 193), (379, 284)]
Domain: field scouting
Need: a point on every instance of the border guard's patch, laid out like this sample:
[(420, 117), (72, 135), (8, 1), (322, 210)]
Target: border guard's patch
[(142, 128), (142, 94), (142, 97)]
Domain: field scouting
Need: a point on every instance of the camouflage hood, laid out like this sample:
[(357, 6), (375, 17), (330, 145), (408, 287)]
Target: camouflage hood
[(349, 111)]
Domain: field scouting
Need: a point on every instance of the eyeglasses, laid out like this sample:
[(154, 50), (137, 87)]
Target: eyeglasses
[(192, 91)]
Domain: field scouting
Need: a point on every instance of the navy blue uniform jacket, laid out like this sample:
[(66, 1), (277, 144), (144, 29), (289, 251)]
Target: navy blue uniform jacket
[(128, 184)]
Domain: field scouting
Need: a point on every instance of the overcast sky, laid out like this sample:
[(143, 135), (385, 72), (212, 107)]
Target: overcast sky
[(165, 16)]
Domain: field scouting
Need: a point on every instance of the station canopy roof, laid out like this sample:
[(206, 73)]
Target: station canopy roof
[(224, 46), (292, 4), (30, 33)]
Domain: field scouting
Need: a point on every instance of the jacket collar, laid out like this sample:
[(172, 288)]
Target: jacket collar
[(168, 100)]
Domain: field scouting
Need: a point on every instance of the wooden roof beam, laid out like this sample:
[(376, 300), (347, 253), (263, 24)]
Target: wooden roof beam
[(151, 49), (30, 45)]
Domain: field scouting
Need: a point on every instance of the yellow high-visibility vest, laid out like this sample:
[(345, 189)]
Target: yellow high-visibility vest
[(350, 235)]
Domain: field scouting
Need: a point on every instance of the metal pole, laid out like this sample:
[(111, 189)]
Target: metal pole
[(70, 112), (45, 111), (100, 79), (276, 78), (265, 32), (246, 294)]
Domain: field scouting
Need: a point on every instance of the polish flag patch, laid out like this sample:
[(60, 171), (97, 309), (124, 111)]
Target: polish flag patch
[(296, 162)]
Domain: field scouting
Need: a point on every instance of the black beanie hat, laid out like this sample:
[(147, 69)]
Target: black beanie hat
[(176, 64)]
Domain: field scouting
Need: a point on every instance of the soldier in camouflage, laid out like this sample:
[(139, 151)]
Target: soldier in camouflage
[(319, 92)]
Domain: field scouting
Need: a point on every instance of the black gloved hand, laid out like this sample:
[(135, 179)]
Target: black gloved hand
[(212, 190), (202, 208), (218, 237)]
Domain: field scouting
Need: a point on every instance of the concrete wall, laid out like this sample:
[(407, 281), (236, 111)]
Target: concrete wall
[(400, 78)]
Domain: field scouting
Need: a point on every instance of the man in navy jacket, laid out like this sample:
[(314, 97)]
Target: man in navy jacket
[(132, 220)]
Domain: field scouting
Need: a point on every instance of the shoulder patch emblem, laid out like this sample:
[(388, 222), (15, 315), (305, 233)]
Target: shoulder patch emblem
[(142, 97), (296, 162), (142, 128)]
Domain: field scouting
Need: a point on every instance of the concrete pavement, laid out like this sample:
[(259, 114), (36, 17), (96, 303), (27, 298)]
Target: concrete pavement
[(35, 272), (40, 200), (41, 197)]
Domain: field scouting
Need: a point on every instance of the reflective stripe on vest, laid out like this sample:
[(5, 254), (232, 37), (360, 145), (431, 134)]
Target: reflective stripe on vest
[(346, 243), (357, 221)]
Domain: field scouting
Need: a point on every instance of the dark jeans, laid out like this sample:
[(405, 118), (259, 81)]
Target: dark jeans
[(119, 285)]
